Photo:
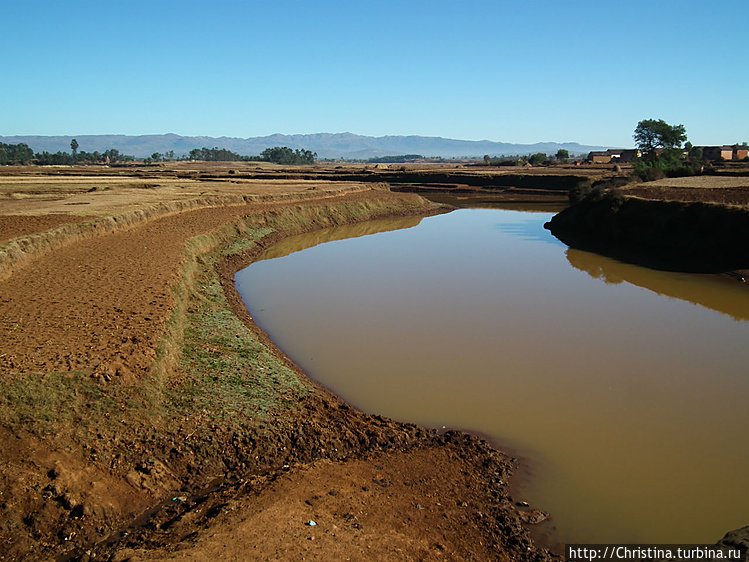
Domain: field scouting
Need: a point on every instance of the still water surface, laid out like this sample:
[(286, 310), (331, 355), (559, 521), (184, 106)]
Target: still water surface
[(626, 390)]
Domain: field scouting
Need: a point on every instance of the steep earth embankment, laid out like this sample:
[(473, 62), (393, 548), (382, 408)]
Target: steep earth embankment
[(675, 235)]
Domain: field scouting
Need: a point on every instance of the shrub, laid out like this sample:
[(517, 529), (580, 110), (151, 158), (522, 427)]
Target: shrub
[(538, 159), (580, 191), (649, 173)]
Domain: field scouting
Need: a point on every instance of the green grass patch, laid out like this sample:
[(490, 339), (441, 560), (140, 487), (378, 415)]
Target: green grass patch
[(40, 403), (246, 241)]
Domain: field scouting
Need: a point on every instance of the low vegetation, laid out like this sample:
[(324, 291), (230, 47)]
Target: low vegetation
[(22, 154), (399, 159), (228, 372)]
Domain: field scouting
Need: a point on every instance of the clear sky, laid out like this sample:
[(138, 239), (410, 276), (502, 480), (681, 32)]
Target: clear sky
[(522, 71)]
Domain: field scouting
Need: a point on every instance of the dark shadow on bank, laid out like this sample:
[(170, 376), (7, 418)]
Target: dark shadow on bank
[(664, 235)]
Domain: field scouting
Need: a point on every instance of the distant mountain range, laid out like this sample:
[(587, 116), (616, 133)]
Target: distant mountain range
[(326, 145)]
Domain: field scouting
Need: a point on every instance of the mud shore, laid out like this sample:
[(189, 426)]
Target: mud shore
[(144, 415)]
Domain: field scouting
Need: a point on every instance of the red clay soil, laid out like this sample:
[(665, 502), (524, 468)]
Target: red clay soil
[(138, 489)]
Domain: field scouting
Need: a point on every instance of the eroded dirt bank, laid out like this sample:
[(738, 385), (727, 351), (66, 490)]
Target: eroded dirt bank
[(680, 235), (145, 417)]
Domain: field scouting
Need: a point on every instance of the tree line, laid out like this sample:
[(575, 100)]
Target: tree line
[(284, 155), (396, 159), (15, 154), (277, 155), (562, 156), (22, 154)]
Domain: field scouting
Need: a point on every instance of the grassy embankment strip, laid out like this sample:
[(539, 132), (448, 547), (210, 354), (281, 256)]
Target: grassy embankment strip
[(225, 373), (226, 370)]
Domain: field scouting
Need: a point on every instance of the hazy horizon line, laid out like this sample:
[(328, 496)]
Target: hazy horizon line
[(412, 135)]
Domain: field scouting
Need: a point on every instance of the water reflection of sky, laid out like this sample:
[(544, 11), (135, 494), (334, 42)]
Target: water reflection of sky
[(532, 229)]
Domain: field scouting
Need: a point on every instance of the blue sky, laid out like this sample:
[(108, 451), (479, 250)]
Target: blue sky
[(520, 72)]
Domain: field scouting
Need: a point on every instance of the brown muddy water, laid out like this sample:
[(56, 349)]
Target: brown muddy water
[(625, 390)]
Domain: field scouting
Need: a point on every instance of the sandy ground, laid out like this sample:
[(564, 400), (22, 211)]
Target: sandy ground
[(85, 476)]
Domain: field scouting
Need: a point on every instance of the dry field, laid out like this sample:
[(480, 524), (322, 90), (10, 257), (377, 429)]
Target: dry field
[(725, 190)]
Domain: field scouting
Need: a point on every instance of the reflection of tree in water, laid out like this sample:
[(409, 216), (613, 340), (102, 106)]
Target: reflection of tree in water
[(593, 265), (709, 291)]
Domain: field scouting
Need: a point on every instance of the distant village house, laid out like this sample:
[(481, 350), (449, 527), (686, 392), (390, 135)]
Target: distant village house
[(714, 153), (613, 156), (711, 153), (735, 152)]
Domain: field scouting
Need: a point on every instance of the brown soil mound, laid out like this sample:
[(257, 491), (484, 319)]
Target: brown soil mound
[(102, 301)]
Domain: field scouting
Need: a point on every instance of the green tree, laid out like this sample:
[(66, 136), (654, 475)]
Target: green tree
[(652, 135), (285, 155), (15, 154), (214, 155), (59, 158), (563, 155), (113, 154), (537, 159), (74, 147), (662, 155), (695, 154)]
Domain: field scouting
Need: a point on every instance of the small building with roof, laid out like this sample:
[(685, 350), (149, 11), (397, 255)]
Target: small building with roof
[(613, 156)]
